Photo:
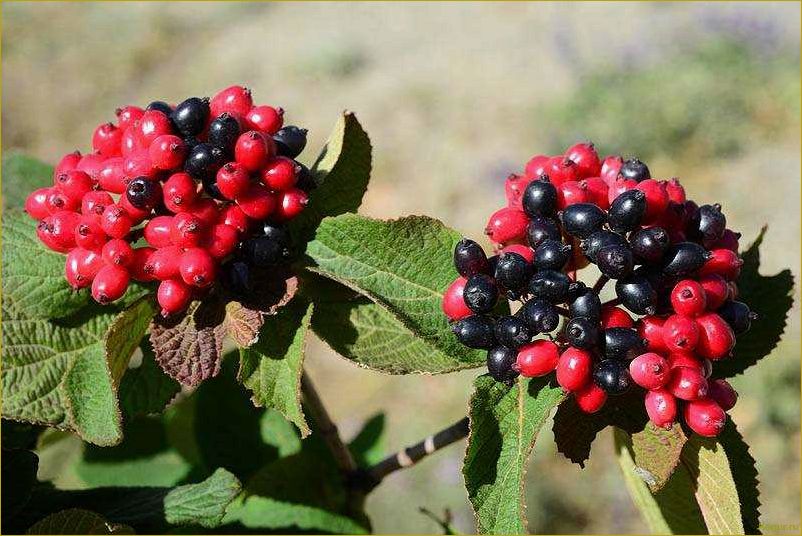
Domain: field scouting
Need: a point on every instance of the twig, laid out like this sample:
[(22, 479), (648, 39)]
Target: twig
[(563, 311), (412, 455), (342, 456), (603, 279), (612, 303)]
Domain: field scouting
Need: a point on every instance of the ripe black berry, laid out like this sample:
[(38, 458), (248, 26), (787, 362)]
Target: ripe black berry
[(304, 179), (480, 293), (160, 106), (541, 228), (203, 161), (512, 332), (615, 261), (592, 244), (290, 141), (634, 169), (586, 304), (626, 211), (540, 316), (684, 258), (224, 131), (190, 116), (582, 332), (551, 254), (277, 233), (512, 271), (469, 258), (636, 294), (499, 363), (476, 331), (707, 224), (143, 193), (236, 278), (583, 219), (540, 198), (737, 315), (623, 343), (649, 245), (612, 376), (263, 251), (549, 285)]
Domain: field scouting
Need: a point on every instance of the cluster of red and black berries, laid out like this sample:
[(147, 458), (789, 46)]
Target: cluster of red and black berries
[(182, 195), (675, 266)]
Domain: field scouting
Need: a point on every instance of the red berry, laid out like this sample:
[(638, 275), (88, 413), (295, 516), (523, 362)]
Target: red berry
[(91, 164), (221, 241), (106, 139), (118, 252), (94, 203), (130, 141), (89, 233), (233, 216), (63, 225), (590, 398), (524, 251), (187, 230), (280, 174), (44, 231), (619, 186), (715, 288), (157, 231), (571, 193), (573, 369), (684, 359), (586, 158), (116, 222), (560, 170), (598, 192), (687, 383), (723, 262), (536, 166), (675, 191), (151, 125), (651, 329), (705, 417), (128, 115), (453, 303), (610, 168), (138, 164), (688, 298), (291, 203), (57, 201), (253, 150), (173, 296), (137, 266), (257, 202), (615, 317), (514, 188), (167, 152), (163, 263), (36, 203), (74, 184), (716, 338), (729, 240), (537, 358), (110, 283), (233, 180), (661, 406), (197, 267), (656, 199), (235, 100), (111, 176), (507, 225), (137, 215), (206, 210), (67, 163), (265, 119), (179, 192), (650, 370), (680, 333), (81, 267), (722, 393)]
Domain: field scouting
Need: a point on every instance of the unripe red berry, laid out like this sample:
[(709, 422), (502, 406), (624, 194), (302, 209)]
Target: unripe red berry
[(514, 188), (675, 191), (264, 119), (167, 152), (723, 262), (67, 163), (590, 398), (651, 329), (280, 174), (110, 283), (111, 176), (197, 267), (716, 338), (163, 263), (81, 267), (36, 203), (179, 192), (536, 166), (233, 216), (137, 215), (137, 266), (91, 164), (685, 359), (173, 296), (130, 141), (118, 252), (138, 164), (615, 317), (253, 150), (94, 203), (157, 231), (598, 192), (688, 298), (610, 167), (661, 406), (257, 202), (574, 369), (619, 186), (680, 333), (187, 230), (44, 231), (291, 203), (63, 225), (116, 222), (507, 225), (221, 241), (560, 169), (649, 370), (235, 100), (571, 193), (151, 125), (74, 184), (453, 303), (89, 233), (722, 393), (128, 115), (586, 158), (57, 201), (687, 383), (715, 288), (537, 358), (705, 417), (656, 199), (206, 210), (524, 251), (106, 140), (233, 180)]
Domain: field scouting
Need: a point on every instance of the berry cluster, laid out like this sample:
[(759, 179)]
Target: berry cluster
[(674, 264), (176, 195)]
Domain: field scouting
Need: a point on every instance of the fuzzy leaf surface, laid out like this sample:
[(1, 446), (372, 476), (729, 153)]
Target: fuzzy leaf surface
[(23, 174)]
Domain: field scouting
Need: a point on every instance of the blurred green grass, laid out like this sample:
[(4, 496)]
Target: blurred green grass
[(455, 96)]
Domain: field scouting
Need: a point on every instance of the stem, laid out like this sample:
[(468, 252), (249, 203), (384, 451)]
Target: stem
[(563, 311), (611, 303), (415, 453), (603, 279), (342, 456)]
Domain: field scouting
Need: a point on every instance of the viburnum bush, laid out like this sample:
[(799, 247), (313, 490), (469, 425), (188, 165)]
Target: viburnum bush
[(159, 292)]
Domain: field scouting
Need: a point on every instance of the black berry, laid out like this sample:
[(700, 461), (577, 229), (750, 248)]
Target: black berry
[(143, 193), (224, 131), (586, 304), (512, 271), (737, 315), (469, 258), (540, 198), (480, 293), (707, 224), (540, 315), (264, 251), (684, 258), (636, 294), (276, 232), (612, 376), (512, 332), (290, 141), (582, 332), (499, 363), (549, 285), (541, 228), (476, 331), (203, 161), (551, 254), (160, 106), (210, 187), (190, 116), (236, 278), (615, 261), (592, 244), (626, 211), (623, 343), (583, 219), (634, 169), (649, 245)]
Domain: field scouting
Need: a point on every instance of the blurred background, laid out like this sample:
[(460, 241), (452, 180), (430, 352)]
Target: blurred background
[(455, 96)]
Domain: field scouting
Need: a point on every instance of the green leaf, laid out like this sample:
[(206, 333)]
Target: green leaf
[(771, 297), (146, 388), (77, 521), (672, 510), (368, 445), (656, 453), (125, 333), (370, 336), (744, 473), (22, 175), (33, 276), (403, 265), (342, 172), (19, 477), (504, 423), (272, 367), (204, 503)]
